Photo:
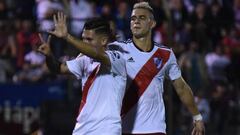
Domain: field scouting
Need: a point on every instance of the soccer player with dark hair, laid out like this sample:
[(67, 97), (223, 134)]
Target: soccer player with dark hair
[(103, 74)]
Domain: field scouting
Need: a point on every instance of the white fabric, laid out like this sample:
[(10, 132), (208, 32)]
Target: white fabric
[(34, 58), (43, 7), (148, 116), (80, 11), (101, 113)]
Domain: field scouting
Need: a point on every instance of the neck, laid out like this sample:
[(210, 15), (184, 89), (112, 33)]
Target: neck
[(143, 43)]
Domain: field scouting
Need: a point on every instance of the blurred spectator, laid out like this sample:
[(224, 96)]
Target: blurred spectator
[(107, 11), (183, 36), (33, 68), (199, 23), (34, 58), (123, 19), (159, 13), (3, 10), (192, 65), (7, 53), (219, 103), (80, 11), (236, 9), (179, 14), (25, 10), (161, 33), (45, 11), (203, 106), (217, 62), (117, 33), (26, 37), (190, 5), (231, 40), (216, 23)]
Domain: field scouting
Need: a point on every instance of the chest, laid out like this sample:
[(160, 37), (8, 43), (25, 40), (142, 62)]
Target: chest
[(144, 65)]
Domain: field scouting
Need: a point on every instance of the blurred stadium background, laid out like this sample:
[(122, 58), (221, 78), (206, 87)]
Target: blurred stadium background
[(204, 34)]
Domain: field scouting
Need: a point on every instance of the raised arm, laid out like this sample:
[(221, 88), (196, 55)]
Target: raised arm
[(185, 94), (85, 48), (53, 64)]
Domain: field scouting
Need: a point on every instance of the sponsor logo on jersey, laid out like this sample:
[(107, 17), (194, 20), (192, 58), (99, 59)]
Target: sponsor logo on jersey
[(131, 59)]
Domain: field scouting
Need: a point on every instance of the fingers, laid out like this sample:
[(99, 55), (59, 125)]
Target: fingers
[(51, 32), (59, 16), (41, 49), (41, 38), (193, 131), (55, 19), (197, 131), (44, 49), (49, 39), (65, 18)]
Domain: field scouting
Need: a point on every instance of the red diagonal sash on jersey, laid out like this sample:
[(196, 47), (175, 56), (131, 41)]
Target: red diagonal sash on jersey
[(87, 85), (143, 79)]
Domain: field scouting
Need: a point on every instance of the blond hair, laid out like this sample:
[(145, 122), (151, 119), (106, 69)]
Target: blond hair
[(143, 5)]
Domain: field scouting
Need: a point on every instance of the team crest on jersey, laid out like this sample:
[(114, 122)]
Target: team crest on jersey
[(114, 55), (157, 62)]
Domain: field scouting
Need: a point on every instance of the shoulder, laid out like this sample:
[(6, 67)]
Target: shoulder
[(164, 48), (121, 43), (119, 46), (81, 59), (161, 46), (128, 41)]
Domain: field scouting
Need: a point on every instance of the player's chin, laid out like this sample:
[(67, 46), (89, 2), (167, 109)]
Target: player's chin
[(138, 35)]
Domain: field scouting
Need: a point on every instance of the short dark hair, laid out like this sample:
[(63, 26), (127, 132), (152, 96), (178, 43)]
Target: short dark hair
[(99, 25)]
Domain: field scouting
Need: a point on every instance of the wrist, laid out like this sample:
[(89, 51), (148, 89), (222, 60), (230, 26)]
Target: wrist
[(49, 54), (66, 36), (197, 117)]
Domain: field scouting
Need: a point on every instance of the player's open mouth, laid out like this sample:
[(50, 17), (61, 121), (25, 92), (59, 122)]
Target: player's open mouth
[(136, 27)]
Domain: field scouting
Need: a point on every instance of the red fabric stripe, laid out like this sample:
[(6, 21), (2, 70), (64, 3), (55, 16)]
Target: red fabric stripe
[(86, 87), (142, 80)]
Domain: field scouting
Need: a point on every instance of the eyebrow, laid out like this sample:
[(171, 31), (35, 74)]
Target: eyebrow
[(138, 16)]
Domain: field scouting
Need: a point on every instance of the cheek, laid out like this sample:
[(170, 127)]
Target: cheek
[(95, 42), (131, 24)]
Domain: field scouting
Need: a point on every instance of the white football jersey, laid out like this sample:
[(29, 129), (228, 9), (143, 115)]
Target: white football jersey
[(143, 108), (103, 91)]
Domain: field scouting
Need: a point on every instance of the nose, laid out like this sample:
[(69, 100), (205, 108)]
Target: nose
[(136, 21)]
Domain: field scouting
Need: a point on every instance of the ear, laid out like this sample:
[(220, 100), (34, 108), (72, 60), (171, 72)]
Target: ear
[(104, 41), (153, 23)]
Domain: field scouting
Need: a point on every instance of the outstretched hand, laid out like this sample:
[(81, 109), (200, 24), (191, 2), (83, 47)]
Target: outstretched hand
[(60, 25), (198, 128), (44, 48)]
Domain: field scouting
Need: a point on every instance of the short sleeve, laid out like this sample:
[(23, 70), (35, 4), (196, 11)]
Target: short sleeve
[(173, 70), (118, 64), (77, 66)]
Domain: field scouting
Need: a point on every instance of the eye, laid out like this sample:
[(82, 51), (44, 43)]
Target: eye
[(142, 17), (133, 18)]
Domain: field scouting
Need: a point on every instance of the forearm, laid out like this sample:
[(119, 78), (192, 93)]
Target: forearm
[(85, 48), (187, 99), (53, 64), (186, 96)]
